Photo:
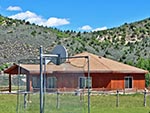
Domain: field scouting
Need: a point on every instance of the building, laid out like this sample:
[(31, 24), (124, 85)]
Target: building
[(104, 74)]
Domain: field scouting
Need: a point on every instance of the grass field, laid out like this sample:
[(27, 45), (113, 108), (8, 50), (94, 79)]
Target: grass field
[(76, 104)]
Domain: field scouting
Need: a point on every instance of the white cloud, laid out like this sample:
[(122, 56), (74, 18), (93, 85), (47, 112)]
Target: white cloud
[(14, 8), (86, 28), (53, 21), (100, 29), (89, 28), (34, 18)]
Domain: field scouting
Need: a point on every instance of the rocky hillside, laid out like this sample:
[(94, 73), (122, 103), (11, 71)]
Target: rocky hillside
[(127, 33), (21, 40)]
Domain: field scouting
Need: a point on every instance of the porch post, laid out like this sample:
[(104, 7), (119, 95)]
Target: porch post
[(9, 82), (28, 84)]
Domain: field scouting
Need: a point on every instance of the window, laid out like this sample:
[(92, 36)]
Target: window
[(35, 82), (83, 82), (128, 82), (51, 82)]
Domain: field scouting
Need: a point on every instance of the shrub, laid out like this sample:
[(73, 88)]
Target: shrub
[(147, 79)]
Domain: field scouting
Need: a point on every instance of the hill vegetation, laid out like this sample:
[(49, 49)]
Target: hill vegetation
[(128, 43)]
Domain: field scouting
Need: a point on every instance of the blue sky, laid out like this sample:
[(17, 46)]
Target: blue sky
[(78, 15)]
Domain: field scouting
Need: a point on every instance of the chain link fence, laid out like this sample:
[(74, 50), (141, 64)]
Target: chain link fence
[(71, 101)]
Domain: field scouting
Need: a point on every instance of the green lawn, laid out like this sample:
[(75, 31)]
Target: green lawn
[(75, 104)]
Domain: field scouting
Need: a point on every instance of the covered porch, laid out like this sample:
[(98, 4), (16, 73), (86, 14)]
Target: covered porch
[(18, 73)]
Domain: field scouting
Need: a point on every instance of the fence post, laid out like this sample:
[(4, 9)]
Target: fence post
[(25, 100), (144, 98), (117, 99), (57, 106)]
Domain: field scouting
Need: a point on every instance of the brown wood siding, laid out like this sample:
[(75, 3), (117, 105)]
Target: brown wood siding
[(116, 81), (139, 81), (67, 80), (99, 81)]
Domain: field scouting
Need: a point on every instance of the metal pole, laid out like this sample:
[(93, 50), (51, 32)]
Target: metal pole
[(144, 98), (88, 84), (57, 106), (17, 109), (44, 83), (41, 79), (117, 99)]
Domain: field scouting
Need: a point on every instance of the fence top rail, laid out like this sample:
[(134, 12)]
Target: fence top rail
[(77, 92), (15, 92)]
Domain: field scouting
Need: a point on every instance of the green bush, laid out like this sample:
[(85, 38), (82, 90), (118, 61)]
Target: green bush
[(147, 79)]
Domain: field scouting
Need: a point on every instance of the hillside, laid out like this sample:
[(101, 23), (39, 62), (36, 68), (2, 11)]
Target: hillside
[(21, 40)]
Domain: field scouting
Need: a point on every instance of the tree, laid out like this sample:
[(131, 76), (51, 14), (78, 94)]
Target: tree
[(78, 34), (147, 79), (145, 64)]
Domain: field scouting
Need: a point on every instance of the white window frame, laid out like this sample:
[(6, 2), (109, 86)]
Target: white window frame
[(53, 84), (127, 77), (85, 82), (35, 82)]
